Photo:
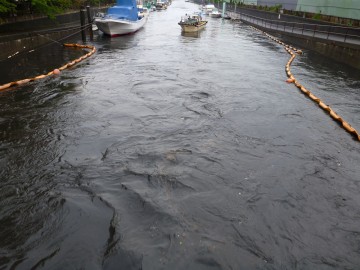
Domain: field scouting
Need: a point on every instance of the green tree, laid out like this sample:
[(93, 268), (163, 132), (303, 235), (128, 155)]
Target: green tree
[(7, 6), (48, 7)]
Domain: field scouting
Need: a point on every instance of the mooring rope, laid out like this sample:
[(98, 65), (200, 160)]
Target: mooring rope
[(55, 71), (20, 53), (291, 79)]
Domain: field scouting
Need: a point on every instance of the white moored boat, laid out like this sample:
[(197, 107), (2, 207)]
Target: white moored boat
[(215, 13), (207, 9), (123, 18)]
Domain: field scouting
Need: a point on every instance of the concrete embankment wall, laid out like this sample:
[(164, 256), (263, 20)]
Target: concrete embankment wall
[(309, 23), (274, 16), (30, 41), (339, 51), (39, 24), (27, 35), (345, 53)]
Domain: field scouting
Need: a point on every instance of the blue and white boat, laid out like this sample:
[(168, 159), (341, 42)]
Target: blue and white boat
[(123, 18)]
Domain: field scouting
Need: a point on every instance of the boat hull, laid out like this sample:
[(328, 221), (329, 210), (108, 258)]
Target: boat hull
[(114, 27), (215, 15), (193, 28)]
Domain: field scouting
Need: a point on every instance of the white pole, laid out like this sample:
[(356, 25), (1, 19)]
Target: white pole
[(223, 9)]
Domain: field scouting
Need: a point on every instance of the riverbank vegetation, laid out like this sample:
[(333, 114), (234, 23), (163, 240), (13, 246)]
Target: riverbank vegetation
[(50, 8)]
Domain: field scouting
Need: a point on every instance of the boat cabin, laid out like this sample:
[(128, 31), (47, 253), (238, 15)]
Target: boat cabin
[(191, 19)]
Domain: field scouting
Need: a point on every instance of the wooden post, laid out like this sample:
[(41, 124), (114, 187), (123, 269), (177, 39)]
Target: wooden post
[(82, 21), (89, 22)]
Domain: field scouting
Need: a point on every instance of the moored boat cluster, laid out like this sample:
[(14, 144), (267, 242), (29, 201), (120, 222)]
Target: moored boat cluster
[(195, 21), (127, 16)]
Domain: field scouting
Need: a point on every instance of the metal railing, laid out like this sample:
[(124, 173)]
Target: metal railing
[(349, 35)]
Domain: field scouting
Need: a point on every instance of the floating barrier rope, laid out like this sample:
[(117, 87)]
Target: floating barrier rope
[(291, 79), (55, 71)]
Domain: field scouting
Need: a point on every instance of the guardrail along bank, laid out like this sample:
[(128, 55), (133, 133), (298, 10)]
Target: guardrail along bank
[(338, 42)]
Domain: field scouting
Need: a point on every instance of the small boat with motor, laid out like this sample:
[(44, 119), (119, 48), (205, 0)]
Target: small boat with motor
[(215, 13), (192, 23), (123, 18), (226, 16), (161, 5)]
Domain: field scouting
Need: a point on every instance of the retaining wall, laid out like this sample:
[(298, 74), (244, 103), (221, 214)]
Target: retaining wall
[(27, 35), (40, 24), (340, 51), (31, 41)]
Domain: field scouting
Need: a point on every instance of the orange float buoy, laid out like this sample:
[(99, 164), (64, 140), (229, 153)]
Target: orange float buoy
[(22, 81), (4, 86), (290, 80), (348, 127), (56, 71)]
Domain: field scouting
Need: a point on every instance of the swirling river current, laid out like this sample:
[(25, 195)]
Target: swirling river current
[(173, 151)]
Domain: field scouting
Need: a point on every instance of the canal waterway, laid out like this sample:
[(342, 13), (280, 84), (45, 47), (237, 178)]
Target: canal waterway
[(173, 151)]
